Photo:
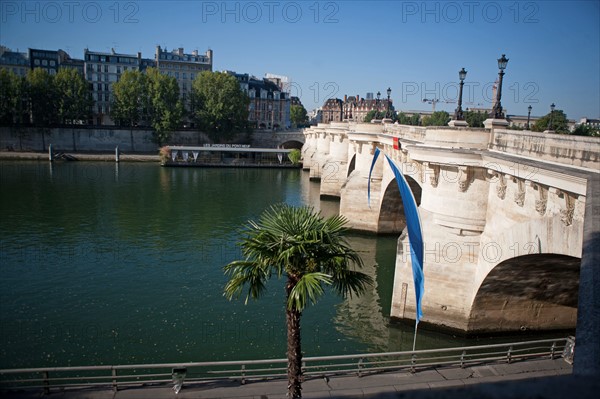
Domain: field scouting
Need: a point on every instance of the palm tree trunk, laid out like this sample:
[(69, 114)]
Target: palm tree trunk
[(294, 346)]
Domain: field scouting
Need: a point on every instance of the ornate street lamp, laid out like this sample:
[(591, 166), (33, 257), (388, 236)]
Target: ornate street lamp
[(377, 104), (551, 115), (497, 110), (458, 114), (389, 93), (528, 116)]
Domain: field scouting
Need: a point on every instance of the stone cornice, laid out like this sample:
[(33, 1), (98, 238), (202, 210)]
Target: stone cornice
[(444, 156), (537, 172)]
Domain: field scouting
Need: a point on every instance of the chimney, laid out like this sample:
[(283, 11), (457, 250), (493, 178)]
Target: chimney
[(195, 52), (180, 51), (345, 97)]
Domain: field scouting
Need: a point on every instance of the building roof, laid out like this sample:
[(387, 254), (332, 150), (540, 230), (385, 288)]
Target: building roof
[(88, 51), (14, 58)]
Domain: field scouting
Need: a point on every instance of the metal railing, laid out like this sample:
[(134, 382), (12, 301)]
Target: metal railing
[(197, 372)]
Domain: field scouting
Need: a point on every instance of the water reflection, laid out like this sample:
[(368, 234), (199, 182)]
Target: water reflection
[(362, 317)]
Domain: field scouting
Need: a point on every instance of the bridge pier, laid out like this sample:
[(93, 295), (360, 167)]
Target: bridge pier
[(310, 147), (335, 167), (320, 155), (353, 202)]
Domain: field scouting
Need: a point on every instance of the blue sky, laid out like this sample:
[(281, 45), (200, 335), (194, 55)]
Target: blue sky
[(332, 48)]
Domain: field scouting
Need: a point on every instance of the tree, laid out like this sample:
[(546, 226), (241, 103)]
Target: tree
[(404, 119), (294, 156), (311, 252), (218, 105), (438, 118), (585, 130), (373, 114), (7, 96), (298, 115), (42, 97), (129, 99), (164, 107), (73, 96), (21, 100), (475, 119), (559, 122)]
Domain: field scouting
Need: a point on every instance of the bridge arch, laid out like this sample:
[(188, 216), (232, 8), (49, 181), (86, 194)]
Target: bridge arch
[(528, 292), (391, 211), (297, 144)]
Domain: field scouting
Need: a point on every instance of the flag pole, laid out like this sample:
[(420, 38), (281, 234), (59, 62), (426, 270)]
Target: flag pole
[(415, 338)]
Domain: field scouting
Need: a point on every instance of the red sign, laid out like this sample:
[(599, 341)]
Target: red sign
[(396, 144)]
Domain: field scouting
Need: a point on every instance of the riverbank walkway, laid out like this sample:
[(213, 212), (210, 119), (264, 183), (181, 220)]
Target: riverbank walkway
[(81, 156), (528, 379)]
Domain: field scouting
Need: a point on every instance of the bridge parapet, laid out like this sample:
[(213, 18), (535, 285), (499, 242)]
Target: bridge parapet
[(566, 149)]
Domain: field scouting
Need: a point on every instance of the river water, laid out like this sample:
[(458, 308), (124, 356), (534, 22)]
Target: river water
[(119, 264)]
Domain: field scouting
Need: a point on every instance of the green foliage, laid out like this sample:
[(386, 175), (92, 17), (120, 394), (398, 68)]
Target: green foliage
[(42, 97), (438, 118), (164, 108), (585, 130), (378, 115), (129, 99), (404, 119), (73, 96), (218, 105), (9, 93), (298, 115), (556, 121), (295, 241), (295, 156), (475, 119)]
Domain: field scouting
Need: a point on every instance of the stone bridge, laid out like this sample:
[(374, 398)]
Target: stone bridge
[(281, 138), (502, 211)]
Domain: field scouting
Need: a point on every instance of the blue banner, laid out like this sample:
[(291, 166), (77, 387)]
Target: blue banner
[(413, 225), (375, 156)]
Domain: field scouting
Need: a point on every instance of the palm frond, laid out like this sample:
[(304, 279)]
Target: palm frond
[(245, 273), (308, 288), (348, 282), (296, 241)]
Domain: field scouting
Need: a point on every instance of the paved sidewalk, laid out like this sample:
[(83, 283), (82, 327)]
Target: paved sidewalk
[(533, 379)]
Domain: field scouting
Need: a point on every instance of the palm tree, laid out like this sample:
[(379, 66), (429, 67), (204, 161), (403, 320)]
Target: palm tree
[(311, 252)]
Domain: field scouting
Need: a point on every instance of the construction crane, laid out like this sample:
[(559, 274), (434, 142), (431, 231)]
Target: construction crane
[(435, 101), (432, 102)]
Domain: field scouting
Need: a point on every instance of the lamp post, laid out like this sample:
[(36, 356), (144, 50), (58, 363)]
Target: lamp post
[(497, 110), (389, 93), (458, 114), (377, 105), (551, 115), (528, 116)]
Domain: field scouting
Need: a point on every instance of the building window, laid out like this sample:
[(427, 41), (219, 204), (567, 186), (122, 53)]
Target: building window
[(184, 75)]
